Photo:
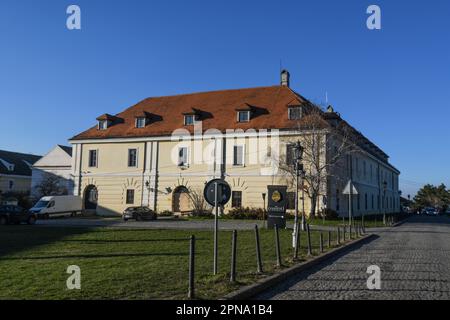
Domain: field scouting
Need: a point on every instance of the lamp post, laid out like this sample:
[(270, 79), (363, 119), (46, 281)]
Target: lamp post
[(384, 201), (298, 167)]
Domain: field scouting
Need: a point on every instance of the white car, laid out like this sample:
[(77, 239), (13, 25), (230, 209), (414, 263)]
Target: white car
[(57, 206)]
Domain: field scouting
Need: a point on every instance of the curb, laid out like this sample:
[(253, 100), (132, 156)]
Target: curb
[(252, 290)]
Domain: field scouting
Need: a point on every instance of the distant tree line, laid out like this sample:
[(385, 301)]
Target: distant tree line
[(432, 196)]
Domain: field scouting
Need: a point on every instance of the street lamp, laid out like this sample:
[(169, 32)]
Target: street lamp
[(298, 155), (384, 201)]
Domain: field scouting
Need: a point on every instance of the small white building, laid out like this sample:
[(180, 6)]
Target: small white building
[(56, 165)]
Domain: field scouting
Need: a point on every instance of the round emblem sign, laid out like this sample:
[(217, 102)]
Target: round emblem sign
[(276, 196), (223, 190)]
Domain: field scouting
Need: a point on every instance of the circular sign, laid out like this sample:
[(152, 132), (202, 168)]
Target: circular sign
[(223, 192), (276, 196)]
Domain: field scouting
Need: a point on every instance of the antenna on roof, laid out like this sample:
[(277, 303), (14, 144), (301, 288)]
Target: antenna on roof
[(326, 97), (281, 65)]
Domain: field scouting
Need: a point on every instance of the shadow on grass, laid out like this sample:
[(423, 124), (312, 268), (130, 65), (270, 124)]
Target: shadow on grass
[(98, 256), (14, 239)]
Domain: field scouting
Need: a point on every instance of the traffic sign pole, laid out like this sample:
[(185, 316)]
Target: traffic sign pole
[(216, 226)]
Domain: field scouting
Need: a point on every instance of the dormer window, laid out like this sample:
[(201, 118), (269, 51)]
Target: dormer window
[(243, 116), (107, 120), (102, 124), (189, 119), (141, 122), (295, 113)]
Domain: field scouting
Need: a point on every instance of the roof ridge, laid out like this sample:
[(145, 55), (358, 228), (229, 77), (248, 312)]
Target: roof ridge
[(212, 91), (20, 153)]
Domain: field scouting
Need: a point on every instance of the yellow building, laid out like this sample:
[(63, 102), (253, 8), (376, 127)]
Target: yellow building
[(157, 151)]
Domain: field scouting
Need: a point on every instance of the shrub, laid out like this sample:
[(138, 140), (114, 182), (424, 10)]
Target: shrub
[(165, 213), (329, 214), (247, 213), (202, 213)]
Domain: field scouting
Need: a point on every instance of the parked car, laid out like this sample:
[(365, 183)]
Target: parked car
[(57, 206), (16, 215), (138, 214), (431, 211)]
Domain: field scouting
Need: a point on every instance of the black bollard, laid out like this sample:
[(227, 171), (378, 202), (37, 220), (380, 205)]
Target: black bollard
[(321, 242), (329, 239), (297, 241), (277, 246), (233, 256), (338, 238), (345, 233), (191, 292), (259, 266), (309, 240)]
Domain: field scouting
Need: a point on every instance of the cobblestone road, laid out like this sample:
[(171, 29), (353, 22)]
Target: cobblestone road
[(414, 259)]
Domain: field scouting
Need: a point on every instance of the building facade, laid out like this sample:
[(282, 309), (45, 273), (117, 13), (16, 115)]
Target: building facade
[(15, 172), (54, 170), (158, 151)]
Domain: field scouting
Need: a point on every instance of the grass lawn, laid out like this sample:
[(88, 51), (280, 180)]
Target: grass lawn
[(129, 264)]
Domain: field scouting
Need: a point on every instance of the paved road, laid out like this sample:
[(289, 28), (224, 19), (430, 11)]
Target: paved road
[(161, 223), (414, 259)]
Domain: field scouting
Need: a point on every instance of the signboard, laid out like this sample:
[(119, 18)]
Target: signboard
[(223, 190), (347, 189), (276, 207)]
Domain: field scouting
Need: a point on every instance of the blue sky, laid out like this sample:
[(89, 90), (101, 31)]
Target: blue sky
[(392, 84)]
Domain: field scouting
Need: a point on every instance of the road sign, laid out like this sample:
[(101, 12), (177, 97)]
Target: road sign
[(223, 190), (347, 189)]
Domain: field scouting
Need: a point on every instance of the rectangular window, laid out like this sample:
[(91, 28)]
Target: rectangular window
[(243, 116), (183, 157), (294, 113), (141, 122), (132, 157), (366, 204), (103, 125), (290, 154), (236, 199), (130, 196), (338, 200), (189, 120), (238, 155), (93, 157), (290, 201)]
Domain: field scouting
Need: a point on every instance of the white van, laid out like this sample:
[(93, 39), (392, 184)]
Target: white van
[(57, 206)]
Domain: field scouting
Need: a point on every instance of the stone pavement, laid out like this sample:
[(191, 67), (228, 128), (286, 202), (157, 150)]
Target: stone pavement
[(414, 259)]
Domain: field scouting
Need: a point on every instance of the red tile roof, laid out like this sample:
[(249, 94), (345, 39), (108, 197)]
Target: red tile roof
[(216, 109)]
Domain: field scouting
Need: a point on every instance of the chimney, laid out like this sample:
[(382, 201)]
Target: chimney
[(285, 76)]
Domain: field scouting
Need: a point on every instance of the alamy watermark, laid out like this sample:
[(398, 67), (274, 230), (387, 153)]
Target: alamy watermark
[(374, 20), (374, 280), (74, 280), (73, 21)]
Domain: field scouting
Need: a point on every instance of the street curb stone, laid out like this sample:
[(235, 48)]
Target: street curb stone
[(252, 290)]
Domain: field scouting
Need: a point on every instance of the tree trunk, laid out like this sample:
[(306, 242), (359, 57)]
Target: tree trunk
[(312, 212)]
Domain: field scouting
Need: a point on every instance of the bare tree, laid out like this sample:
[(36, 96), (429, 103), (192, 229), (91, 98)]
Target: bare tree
[(326, 140), (50, 185), (198, 202)]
